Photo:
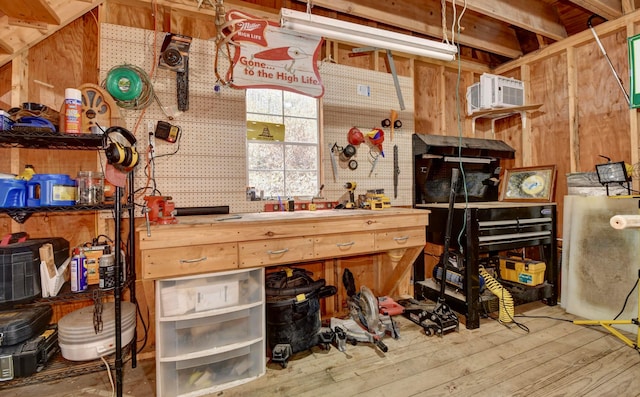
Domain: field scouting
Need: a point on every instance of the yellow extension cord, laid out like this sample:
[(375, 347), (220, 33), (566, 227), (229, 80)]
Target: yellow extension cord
[(504, 297)]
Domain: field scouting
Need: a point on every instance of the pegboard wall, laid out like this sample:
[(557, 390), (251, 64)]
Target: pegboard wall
[(363, 98), (209, 167)]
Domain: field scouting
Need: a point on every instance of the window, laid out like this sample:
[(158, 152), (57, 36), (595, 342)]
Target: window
[(287, 168)]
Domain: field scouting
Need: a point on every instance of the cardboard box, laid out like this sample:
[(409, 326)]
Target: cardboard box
[(92, 262)]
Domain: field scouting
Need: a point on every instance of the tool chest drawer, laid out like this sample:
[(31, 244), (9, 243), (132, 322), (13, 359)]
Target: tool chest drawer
[(197, 259), (276, 251), (400, 238), (336, 245)]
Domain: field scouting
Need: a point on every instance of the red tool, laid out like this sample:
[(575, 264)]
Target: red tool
[(160, 211), (389, 306), (355, 137)]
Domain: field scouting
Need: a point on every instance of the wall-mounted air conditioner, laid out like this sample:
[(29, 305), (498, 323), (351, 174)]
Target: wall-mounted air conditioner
[(474, 98), (494, 91)]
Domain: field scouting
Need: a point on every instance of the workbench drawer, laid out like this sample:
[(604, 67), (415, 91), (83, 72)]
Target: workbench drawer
[(400, 238), (343, 244), (184, 261), (276, 251)]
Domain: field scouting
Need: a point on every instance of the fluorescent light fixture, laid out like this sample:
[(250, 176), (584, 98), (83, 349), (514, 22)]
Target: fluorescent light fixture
[(365, 35)]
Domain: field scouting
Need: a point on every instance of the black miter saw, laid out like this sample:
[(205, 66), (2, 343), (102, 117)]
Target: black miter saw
[(366, 323)]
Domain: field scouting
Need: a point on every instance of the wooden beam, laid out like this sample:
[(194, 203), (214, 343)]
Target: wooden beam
[(5, 46), (425, 17), (42, 26), (574, 122), (17, 38), (578, 39), (401, 271), (535, 16), (609, 9), (19, 90), (32, 10), (628, 6), (205, 9)]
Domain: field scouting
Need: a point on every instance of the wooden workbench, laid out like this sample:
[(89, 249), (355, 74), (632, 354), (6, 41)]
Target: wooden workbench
[(394, 237)]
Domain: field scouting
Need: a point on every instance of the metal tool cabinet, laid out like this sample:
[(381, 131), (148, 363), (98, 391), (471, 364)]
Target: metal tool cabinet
[(489, 228), (33, 139)]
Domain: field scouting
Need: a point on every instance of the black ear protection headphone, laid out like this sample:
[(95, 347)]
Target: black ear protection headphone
[(117, 154)]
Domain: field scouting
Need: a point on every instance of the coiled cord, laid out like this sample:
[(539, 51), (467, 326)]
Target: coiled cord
[(506, 300), (141, 101)]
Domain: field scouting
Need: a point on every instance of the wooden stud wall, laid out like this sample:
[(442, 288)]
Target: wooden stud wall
[(584, 113)]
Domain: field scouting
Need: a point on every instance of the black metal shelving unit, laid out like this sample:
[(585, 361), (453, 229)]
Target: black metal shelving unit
[(34, 138), (37, 139)]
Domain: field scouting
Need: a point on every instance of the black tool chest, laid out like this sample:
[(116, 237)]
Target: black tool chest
[(488, 228)]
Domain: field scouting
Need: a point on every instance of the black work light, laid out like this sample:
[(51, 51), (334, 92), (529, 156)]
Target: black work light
[(612, 173)]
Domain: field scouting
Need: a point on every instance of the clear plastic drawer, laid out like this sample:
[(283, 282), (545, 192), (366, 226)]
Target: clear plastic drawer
[(204, 375), (206, 293), (206, 333)]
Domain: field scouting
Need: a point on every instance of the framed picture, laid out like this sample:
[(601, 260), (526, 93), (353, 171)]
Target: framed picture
[(528, 184)]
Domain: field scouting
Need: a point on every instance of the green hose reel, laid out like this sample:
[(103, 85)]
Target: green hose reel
[(123, 83)]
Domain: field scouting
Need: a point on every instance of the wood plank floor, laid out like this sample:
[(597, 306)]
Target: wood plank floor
[(554, 358)]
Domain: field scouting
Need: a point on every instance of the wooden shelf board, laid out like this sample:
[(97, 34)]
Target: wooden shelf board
[(503, 112)]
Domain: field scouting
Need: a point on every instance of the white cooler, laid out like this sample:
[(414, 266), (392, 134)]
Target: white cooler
[(78, 339)]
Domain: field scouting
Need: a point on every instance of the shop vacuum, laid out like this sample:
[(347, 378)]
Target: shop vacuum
[(293, 312)]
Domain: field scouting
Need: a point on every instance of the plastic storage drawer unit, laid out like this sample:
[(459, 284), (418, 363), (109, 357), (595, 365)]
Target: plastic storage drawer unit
[(210, 332)]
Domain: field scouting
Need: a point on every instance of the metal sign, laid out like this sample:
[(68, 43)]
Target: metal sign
[(267, 56)]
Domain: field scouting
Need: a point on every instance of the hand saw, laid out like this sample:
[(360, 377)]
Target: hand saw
[(334, 164)]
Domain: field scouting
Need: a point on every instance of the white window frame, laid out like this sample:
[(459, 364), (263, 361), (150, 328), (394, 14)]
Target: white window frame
[(287, 192)]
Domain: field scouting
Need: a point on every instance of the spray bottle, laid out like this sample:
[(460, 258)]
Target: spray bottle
[(71, 117), (78, 271)]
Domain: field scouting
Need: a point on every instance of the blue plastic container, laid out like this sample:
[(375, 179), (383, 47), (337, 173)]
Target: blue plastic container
[(13, 193), (48, 190), (5, 121)]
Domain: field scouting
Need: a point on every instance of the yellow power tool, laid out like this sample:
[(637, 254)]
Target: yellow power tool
[(351, 187)]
